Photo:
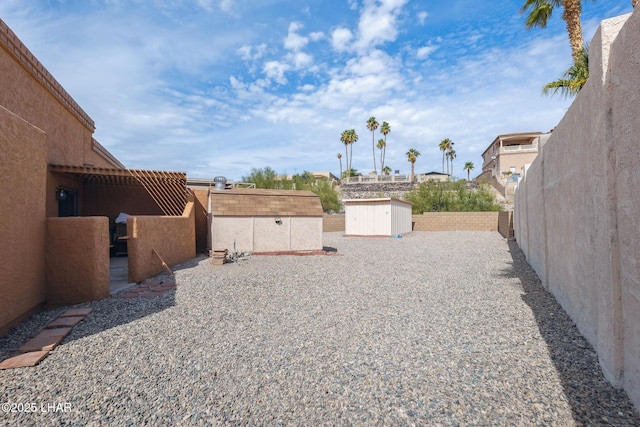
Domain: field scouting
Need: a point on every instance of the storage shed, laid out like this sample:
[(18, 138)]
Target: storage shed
[(377, 217), (256, 220)]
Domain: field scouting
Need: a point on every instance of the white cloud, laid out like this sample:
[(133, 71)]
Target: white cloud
[(340, 38), (425, 51), (422, 16), (227, 5), (378, 22), (295, 41), (316, 35), (275, 70)]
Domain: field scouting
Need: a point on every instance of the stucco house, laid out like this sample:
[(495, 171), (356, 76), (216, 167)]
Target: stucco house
[(508, 157), (66, 191)]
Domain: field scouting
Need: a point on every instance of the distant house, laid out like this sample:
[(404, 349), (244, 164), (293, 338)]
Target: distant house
[(436, 176), (508, 157)]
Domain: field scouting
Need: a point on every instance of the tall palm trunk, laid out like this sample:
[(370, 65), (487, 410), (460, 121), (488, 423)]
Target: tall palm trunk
[(373, 150), (571, 15)]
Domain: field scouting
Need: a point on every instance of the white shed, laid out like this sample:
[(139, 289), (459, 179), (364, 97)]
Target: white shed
[(377, 217)]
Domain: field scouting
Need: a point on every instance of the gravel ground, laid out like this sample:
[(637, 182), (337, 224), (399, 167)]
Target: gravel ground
[(431, 329)]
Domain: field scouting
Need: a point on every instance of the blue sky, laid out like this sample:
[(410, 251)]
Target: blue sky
[(217, 87)]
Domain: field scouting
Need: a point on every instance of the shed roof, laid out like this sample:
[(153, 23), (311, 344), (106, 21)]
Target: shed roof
[(260, 202), (379, 200)]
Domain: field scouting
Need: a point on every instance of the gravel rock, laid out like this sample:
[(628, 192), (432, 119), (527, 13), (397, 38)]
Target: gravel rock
[(435, 328)]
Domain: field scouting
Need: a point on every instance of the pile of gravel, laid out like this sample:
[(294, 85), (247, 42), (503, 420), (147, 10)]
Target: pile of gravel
[(434, 328)]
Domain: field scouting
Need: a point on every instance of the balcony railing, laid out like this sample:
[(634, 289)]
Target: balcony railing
[(518, 148)]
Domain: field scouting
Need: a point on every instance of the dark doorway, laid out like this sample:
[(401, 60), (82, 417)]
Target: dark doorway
[(67, 202)]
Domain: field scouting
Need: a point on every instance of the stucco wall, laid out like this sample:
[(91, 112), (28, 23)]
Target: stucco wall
[(77, 260), (173, 238), (44, 103), (22, 226), (577, 208)]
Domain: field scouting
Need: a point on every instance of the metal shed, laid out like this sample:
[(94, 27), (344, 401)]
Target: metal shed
[(259, 221), (377, 217)]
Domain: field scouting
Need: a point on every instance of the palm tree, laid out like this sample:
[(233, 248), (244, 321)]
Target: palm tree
[(385, 129), (372, 125), (540, 11), (386, 170), (350, 172), (468, 167), (344, 138), (451, 154), (412, 156), (573, 80), (444, 145), (381, 146), (348, 138), (448, 144), (340, 159)]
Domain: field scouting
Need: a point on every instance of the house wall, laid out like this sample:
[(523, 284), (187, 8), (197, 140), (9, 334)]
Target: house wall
[(263, 234), (173, 238), (77, 260), (577, 209), (23, 156)]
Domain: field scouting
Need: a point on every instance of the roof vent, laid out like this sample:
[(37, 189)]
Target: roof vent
[(220, 182)]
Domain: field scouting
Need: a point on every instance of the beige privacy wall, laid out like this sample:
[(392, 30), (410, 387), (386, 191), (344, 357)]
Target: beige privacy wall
[(577, 211)]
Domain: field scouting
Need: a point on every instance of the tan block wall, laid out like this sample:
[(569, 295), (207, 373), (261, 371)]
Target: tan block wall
[(23, 156), (173, 238), (77, 260), (577, 209), (444, 221), (456, 221), (333, 223)]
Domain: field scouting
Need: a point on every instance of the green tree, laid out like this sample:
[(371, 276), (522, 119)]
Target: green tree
[(386, 170), (454, 196), (540, 11), (468, 167), (351, 172), (573, 80), (385, 129), (263, 178), (412, 156), (372, 125)]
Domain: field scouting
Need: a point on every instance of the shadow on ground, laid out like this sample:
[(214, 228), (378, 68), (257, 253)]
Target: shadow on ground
[(107, 313), (594, 401)]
